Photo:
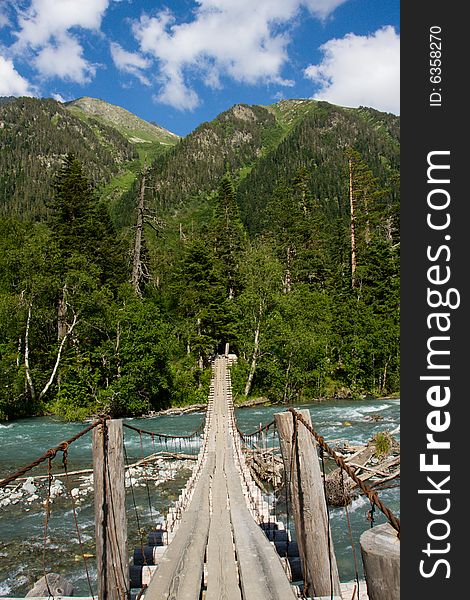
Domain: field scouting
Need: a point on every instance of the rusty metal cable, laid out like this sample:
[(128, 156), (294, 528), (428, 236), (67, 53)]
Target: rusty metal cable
[(146, 477), (47, 515), (74, 511), (167, 436), (371, 494), (50, 454), (328, 521), (136, 512), (351, 538), (264, 427)]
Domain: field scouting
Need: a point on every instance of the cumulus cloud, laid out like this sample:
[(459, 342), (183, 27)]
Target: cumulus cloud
[(11, 82), (360, 70), (241, 39), (59, 97), (130, 62), (4, 20), (64, 59), (45, 29)]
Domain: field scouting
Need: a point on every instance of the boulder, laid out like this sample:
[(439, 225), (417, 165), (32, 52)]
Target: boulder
[(57, 585)]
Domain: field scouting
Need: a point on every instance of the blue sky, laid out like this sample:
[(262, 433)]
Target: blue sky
[(182, 62)]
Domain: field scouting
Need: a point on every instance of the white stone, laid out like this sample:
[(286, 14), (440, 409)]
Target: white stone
[(75, 492), (32, 498), (28, 486)]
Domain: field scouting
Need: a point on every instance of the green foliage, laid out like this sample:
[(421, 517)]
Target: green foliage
[(264, 265), (35, 137), (383, 442)]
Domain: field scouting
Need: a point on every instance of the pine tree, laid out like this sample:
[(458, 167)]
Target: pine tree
[(81, 224), (228, 236)]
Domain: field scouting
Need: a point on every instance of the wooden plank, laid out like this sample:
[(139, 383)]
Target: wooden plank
[(222, 570), (55, 585), (262, 576), (309, 507), (110, 511), (179, 575)]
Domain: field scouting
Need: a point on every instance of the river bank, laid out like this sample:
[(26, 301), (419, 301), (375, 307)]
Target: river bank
[(263, 401), (22, 523)]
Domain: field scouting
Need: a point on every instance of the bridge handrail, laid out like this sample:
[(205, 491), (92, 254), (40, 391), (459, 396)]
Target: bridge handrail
[(371, 494), (264, 427), (155, 434), (49, 454)]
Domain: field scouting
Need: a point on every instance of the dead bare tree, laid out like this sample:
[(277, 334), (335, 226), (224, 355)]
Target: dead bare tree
[(68, 329)]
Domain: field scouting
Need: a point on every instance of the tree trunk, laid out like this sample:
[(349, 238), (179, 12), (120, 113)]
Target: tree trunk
[(254, 359), (18, 354), (26, 353), (137, 260), (288, 277), (353, 225), (59, 354), (117, 349), (61, 316), (286, 386)]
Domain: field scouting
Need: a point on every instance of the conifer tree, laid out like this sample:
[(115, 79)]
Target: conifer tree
[(228, 236)]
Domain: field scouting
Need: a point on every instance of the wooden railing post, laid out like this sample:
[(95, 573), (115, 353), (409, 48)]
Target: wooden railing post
[(110, 511), (380, 548), (308, 506)]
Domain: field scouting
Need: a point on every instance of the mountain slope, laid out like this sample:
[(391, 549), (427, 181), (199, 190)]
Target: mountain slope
[(317, 135), (234, 140), (36, 134), (260, 145), (133, 128)]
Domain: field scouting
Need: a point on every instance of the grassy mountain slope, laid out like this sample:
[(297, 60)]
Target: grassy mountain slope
[(234, 140), (317, 135), (148, 138), (260, 145), (35, 135)]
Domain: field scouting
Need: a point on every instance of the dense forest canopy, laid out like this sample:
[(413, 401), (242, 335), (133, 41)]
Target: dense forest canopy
[(274, 229)]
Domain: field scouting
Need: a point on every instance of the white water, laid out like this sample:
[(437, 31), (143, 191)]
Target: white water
[(22, 525)]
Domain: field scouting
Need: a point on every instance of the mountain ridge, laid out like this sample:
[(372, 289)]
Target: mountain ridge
[(129, 124)]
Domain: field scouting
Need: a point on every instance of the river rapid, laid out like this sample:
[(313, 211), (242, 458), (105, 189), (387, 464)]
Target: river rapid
[(23, 553)]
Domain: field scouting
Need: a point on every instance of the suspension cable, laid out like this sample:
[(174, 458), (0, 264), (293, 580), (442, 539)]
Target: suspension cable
[(260, 429), (167, 436), (50, 454), (371, 494)]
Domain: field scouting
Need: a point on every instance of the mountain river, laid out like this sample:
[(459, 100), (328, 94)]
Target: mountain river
[(26, 549)]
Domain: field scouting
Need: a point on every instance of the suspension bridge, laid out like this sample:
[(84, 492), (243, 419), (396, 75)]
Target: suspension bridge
[(221, 540)]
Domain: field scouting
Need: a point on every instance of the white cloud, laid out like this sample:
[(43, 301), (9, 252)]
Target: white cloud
[(4, 20), (241, 39), (11, 82), (360, 70), (59, 97), (45, 19), (130, 62), (322, 8), (45, 29), (64, 59)]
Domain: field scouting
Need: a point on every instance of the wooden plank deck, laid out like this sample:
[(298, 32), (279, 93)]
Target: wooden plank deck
[(222, 569), (179, 574), (218, 528)]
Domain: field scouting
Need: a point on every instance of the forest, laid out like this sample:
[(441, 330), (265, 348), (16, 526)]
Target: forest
[(292, 259)]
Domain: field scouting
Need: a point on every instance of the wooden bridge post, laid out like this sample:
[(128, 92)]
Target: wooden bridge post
[(110, 511), (380, 548), (309, 507)]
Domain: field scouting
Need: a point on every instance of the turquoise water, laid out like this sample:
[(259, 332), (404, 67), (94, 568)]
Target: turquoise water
[(22, 525)]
